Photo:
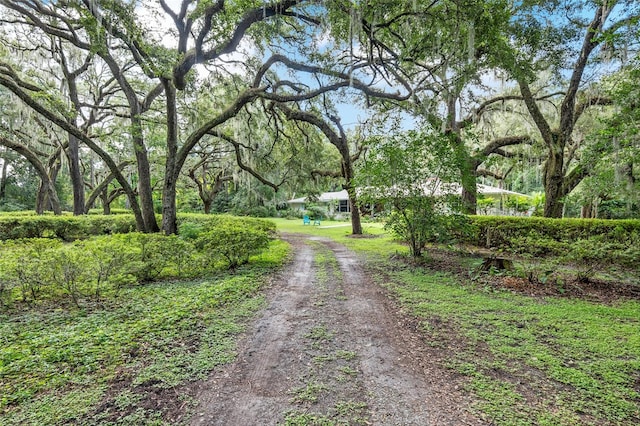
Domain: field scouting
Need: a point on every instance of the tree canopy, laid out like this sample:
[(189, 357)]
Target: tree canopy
[(156, 99)]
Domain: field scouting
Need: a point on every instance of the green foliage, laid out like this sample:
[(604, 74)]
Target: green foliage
[(234, 243), (67, 228), (590, 245), (484, 205), (579, 358), (599, 252), (210, 221), (518, 203), (412, 173), (261, 211), (39, 269), (190, 230), (57, 366), (423, 221), (500, 231), (316, 212)]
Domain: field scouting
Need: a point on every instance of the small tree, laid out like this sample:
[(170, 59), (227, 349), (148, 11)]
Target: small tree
[(414, 174)]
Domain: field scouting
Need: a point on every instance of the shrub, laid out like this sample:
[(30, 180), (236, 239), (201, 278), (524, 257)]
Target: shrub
[(152, 254), (38, 268), (499, 231), (69, 271), (234, 243), (109, 259), (583, 242), (67, 228), (190, 230), (261, 211), (316, 212), (30, 265), (422, 220)]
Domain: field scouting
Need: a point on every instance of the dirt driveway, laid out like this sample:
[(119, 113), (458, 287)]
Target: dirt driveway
[(331, 348)]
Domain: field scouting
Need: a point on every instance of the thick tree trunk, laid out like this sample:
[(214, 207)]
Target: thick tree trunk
[(169, 211), (3, 179), (77, 181), (144, 177), (348, 174), (41, 197), (554, 180), (468, 177), (47, 197), (469, 201), (169, 214), (468, 180), (468, 166), (106, 202), (356, 223), (207, 205)]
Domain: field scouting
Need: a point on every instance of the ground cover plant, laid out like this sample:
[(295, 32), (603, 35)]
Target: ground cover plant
[(110, 359), (551, 358)]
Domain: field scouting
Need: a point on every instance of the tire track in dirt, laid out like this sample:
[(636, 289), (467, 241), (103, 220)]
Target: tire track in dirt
[(330, 346)]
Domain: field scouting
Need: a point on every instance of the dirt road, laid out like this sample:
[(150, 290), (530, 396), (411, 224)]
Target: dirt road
[(330, 348)]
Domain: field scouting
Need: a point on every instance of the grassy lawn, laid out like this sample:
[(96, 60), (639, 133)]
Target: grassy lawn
[(527, 360), (106, 363)]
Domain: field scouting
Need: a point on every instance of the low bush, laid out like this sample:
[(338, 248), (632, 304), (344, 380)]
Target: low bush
[(37, 269), (233, 243), (316, 212), (194, 222), (422, 220), (70, 228)]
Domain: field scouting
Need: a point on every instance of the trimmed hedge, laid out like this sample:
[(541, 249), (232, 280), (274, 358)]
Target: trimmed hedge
[(70, 228), (67, 228), (501, 231), (589, 244)]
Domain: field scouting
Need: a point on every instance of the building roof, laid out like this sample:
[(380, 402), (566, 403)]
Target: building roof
[(492, 190), (483, 189), (325, 197)]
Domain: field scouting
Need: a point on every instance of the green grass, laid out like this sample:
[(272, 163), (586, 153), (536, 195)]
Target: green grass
[(516, 347), (527, 361), (373, 241), (57, 365)]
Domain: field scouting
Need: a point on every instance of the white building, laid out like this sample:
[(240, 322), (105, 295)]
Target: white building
[(337, 203), (334, 202)]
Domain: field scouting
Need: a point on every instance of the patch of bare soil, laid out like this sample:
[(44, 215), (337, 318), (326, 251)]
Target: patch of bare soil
[(331, 345)]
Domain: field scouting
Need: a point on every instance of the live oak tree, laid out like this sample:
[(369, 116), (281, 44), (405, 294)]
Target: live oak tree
[(288, 57), (61, 24), (36, 142), (571, 45), (444, 49), (446, 59), (611, 189)]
